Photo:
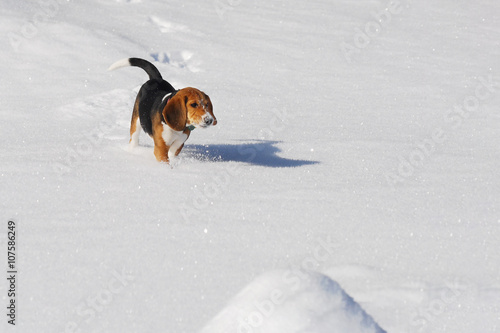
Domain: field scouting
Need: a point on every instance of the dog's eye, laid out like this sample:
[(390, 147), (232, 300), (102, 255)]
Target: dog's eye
[(194, 105)]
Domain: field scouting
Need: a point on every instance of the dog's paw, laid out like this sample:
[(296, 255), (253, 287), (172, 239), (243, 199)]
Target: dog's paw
[(174, 162), (132, 145)]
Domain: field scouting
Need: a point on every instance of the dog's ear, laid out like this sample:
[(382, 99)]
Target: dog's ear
[(175, 113), (210, 109)]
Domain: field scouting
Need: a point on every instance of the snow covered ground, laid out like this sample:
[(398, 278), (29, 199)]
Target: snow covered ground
[(358, 139)]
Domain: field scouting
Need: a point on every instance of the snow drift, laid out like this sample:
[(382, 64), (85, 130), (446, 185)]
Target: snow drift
[(293, 301)]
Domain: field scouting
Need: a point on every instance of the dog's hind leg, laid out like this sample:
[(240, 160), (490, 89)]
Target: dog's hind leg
[(135, 127)]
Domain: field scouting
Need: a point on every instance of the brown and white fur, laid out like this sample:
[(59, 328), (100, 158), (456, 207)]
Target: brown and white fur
[(166, 114)]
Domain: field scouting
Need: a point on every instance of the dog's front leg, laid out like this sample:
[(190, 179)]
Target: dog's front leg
[(161, 151), (178, 144), (179, 150)]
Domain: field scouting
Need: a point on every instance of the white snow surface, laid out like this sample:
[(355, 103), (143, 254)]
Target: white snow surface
[(355, 139)]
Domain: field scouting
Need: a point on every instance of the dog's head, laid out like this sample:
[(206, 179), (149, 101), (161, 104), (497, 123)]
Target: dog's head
[(189, 106)]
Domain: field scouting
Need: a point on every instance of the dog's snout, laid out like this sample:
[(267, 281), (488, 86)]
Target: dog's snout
[(208, 121)]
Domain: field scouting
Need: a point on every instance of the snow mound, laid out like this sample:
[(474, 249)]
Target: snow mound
[(293, 301)]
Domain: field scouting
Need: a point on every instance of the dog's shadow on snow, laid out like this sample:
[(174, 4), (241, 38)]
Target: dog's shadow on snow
[(262, 153)]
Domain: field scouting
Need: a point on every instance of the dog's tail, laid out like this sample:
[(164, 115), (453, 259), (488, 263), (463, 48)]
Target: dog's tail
[(152, 71)]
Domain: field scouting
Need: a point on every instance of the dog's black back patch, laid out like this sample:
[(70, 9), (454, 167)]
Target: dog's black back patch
[(150, 101)]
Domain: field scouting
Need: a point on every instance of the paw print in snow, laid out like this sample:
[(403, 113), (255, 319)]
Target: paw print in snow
[(179, 59)]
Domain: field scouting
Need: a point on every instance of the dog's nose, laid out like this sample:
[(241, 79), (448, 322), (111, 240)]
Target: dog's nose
[(208, 121)]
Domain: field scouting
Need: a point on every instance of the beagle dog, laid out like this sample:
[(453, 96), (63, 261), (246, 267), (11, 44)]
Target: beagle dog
[(166, 114)]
